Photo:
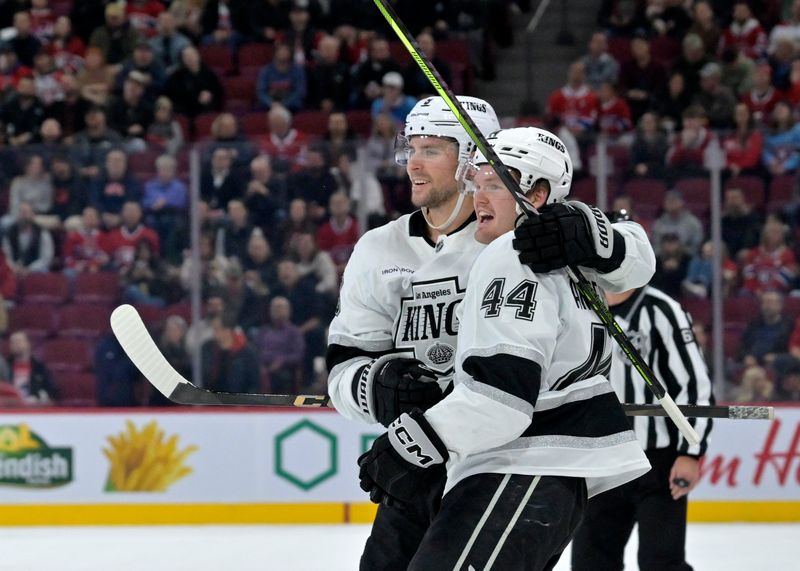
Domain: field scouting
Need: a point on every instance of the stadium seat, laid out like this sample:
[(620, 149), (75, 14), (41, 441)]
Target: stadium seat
[(240, 94), (33, 318), (83, 321), (45, 287), (70, 355), (782, 188), (732, 339), (645, 191), (255, 123), (585, 190), (753, 188), (360, 122), (76, 388), (699, 309), (311, 122), (152, 316), (182, 309), (101, 288), (256, 55), (216, 55), (620, 48), (143, 165), (792, 307), (740, 310), (202, 125), (665, 50)]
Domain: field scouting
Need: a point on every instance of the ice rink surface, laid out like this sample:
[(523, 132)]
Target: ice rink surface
[(728, 547)]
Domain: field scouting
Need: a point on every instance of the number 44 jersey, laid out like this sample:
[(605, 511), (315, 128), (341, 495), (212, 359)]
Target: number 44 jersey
[(401, 293)]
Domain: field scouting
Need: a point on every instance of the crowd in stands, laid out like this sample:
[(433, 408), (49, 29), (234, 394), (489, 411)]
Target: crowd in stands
[(291, 107), (665, 83)]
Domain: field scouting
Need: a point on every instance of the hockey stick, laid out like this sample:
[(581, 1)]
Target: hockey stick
[(142, 350), (587, 290)]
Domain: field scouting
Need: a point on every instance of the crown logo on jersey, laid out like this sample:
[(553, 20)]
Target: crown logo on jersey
[(440, 353)]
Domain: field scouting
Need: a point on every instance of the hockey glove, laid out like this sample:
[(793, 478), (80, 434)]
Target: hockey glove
[(402, 462), (391, 385), (568, 234)]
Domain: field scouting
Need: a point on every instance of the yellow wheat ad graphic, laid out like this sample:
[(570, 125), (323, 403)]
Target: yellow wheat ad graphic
[(142, 461)]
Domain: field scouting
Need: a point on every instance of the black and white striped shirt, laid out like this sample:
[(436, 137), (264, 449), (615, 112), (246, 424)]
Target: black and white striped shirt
[(662, 332)]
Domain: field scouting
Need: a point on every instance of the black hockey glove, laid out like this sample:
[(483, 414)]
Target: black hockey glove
[(391, 385), (568, 234), (402, 462)]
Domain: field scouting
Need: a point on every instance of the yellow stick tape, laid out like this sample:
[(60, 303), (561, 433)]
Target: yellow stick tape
[(332, 513)]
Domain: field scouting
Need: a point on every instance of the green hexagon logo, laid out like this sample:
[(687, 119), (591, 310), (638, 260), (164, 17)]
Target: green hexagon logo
[(317, 463), (367, 440)]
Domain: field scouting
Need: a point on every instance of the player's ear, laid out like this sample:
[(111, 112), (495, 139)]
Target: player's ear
[(539, 192)]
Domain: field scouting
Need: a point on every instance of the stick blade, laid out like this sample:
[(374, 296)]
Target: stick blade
[(132, 334)]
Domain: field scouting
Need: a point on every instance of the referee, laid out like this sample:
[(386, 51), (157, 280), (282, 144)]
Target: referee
[(662, 331)]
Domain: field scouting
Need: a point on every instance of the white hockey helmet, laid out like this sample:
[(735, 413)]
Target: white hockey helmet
[(537, 154), (433, 118)]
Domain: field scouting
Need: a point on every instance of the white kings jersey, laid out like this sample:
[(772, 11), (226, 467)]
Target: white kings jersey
[(400, 293), (531, 391)]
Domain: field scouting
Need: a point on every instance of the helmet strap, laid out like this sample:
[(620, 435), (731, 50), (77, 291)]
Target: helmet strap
[(450, 219)]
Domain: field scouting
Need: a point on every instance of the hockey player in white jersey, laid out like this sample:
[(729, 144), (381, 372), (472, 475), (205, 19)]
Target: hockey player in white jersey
[(395, 329), (533, 427)]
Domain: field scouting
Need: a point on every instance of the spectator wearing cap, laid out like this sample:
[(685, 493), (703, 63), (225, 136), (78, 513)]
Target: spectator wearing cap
[(168, 42), (641, 79), (148, 66), (393, 101), (329, 78), (672, 265), (116, 38), (416, 83), (300, 34), (744, 32), (782, 146), (193, 87), (23, 114), (678, 220), (685, 155), (131, 113), (717, 99), (24, 43), (281, 81)]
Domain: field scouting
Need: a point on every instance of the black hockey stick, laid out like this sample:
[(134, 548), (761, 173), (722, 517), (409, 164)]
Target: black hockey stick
[(586, 289), (142, 350)]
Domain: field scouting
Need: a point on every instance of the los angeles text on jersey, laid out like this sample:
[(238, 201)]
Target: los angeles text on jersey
[(428, 325)]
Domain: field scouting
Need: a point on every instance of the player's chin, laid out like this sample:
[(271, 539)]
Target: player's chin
[(486, 233)]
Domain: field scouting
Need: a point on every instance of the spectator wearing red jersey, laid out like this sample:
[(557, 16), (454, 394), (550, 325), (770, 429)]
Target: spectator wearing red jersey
[(575, 104), (743, 146), (121, 242), (83, 251), (685, 154), (744, 32), (66, 48), (284, 143), (771, 265), (641, 78), (615, 114), (338, 236), (143, 16), (42, 20), (761, 100)]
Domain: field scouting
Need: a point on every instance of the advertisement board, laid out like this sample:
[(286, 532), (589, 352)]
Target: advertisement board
[(204, 465)]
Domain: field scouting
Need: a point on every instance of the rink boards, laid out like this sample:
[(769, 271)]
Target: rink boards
[(185, 466)]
